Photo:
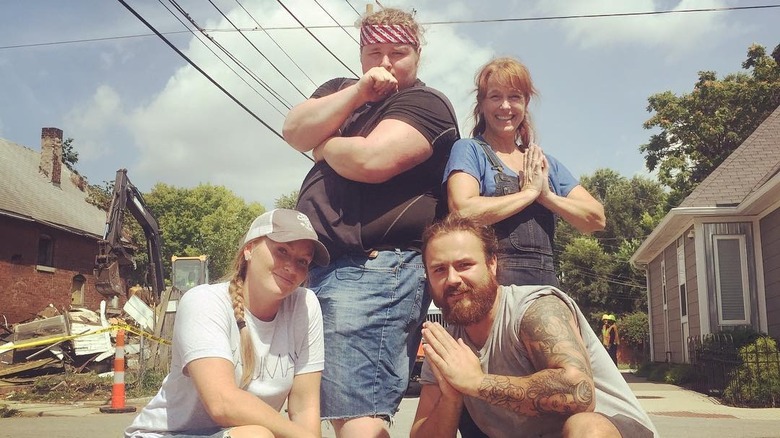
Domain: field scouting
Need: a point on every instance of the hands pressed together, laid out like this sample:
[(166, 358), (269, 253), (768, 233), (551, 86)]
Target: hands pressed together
[(536, 171), (456, 367)]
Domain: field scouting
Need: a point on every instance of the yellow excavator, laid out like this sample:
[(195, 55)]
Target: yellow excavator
[(115, 262)]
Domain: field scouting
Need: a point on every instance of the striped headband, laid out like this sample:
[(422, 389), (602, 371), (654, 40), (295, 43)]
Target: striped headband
[(387, 33)]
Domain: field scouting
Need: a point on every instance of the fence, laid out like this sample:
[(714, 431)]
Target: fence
[(749, 376)]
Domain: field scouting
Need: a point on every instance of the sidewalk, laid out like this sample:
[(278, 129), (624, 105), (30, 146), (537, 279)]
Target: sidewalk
[(673, 401), (657, 398), (74, 409)]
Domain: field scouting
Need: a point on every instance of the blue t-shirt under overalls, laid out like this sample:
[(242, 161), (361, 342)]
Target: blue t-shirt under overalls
[(525, 239)]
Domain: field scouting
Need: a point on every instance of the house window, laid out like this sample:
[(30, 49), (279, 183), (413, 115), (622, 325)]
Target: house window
[(681, 276), (731, 279), (77, 290), (45, 250)]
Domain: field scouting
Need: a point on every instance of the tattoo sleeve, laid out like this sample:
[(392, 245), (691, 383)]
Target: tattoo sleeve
[(563, 383)]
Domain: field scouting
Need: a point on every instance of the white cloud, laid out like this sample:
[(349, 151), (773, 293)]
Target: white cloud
[(191, 133), (165, 122), (95, 123), (675, 32)]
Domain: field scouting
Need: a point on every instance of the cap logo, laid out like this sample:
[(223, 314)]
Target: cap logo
[(305, 223)]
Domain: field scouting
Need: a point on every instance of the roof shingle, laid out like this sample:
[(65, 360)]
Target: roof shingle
[(28, 194), (751, 165)]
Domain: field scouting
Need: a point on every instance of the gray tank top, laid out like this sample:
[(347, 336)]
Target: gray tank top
[(504, 354)]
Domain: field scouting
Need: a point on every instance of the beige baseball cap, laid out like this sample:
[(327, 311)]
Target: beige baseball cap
[(285, 225)]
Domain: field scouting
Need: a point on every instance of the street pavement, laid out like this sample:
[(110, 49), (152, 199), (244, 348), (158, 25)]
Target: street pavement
[(676, 412)]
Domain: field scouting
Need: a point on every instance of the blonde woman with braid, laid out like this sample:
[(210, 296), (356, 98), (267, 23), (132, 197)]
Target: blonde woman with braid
[(243, 347)]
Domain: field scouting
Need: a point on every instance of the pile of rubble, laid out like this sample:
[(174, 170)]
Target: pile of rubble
[(55, 341)]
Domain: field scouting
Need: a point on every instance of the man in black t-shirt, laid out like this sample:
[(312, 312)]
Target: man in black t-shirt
[(380, 144)]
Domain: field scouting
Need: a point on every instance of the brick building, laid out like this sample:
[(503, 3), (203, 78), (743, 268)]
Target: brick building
[(48, 232)]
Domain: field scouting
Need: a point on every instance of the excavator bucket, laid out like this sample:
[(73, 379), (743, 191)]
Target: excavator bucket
[(108, 280)]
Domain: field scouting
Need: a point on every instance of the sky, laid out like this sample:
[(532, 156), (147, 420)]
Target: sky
[(128, 100)]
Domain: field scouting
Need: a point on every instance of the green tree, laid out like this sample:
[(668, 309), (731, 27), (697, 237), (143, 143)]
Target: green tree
[(700, 129), (100, 195), (69, 155), (585, 270), (206, 219), (287, 201), (597, 270)]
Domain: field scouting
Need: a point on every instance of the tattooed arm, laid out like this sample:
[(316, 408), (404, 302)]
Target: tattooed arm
[(564, 382)]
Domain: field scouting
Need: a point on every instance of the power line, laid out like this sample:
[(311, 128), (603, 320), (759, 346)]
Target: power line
[(198, 38), (606, 15), (431, 23), (206, 75), (256, 49), (232, 57), (277, 44), (336, 21), (317, 39), (353, 8)]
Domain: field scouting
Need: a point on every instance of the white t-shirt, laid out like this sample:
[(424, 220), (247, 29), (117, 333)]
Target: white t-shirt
[(205, 326)]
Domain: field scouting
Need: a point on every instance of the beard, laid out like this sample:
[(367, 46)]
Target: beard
[(474, 306)]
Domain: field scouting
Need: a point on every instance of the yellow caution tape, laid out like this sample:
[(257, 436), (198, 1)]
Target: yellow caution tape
[(37, 343), (142, 333)]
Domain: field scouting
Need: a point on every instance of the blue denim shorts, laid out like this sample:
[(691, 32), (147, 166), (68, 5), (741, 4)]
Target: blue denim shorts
[(373, 309)]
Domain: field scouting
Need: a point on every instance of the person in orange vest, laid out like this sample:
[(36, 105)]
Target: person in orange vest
[(609, 335)]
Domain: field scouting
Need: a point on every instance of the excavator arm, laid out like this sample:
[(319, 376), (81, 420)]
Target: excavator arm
[(115, 260)]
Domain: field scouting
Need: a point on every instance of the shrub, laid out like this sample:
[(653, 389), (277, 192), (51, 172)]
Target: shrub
[(672, 373), (757, 381), (658, 372), (644, 369), (635, 329), (680, 374)]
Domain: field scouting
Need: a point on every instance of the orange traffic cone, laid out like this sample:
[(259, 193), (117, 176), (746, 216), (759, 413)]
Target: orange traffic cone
[(118, 390)]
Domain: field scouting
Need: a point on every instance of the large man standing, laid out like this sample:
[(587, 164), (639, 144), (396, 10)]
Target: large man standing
[(380, 144), (522, 359)]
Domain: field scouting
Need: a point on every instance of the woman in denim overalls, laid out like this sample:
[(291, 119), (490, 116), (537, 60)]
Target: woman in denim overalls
[(501, 177)]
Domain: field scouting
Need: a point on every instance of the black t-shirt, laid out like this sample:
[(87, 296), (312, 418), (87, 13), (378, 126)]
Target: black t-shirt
[(351, 216)]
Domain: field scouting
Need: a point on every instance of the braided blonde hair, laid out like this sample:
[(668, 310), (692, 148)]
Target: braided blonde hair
[(238, 297)]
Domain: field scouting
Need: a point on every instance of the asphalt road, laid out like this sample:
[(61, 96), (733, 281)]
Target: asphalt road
[(112, 425)]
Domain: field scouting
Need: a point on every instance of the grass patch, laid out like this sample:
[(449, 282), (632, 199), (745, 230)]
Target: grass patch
[(144, 387), (65, 388), (673, 373)]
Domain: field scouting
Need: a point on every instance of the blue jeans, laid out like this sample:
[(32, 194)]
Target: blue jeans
[(372, 311), (526, 268)]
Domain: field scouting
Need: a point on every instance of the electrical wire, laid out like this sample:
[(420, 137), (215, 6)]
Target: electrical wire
[(197, 37), (353, 8), (336, 21), (201, 71), (233, 58), (257, 49), (317, 39), (606, 15), (486, 21), (277, 44)]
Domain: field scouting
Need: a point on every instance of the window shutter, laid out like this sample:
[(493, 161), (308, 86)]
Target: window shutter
[(730, 276)]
